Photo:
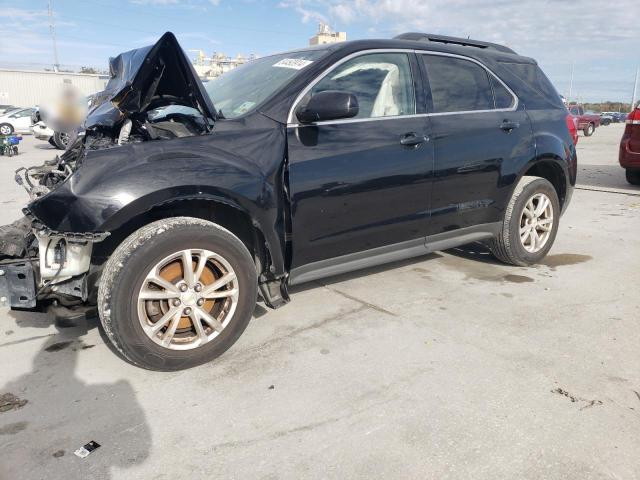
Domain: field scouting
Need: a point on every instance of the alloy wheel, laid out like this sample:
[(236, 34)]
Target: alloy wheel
[(536, 223), (187, 299)]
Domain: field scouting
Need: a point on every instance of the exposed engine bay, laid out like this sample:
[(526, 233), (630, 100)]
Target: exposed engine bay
[(153, 94)]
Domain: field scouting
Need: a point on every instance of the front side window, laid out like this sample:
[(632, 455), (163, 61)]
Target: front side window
[(381, 82), (458, 85)]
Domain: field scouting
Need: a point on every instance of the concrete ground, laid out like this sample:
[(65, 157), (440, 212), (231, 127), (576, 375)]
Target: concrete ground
[(446, 366)]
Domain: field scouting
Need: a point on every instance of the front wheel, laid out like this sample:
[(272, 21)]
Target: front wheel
[(588, 131), (530, 223), (6, 129), (633, 176), (177, 293)]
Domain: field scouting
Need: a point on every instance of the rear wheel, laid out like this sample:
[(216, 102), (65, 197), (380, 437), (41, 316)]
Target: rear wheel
[(589, 129), (177, 293), (530, 223), (6, 129), (633, 176)]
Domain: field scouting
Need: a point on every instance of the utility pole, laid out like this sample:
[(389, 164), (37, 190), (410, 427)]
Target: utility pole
[(635, 89), (52, 30), (573, 65)]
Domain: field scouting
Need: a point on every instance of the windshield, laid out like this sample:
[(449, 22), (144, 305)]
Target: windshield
[(242, 89)]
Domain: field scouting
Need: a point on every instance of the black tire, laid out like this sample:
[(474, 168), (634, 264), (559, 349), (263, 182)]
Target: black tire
[(60, 140), (6, 129), (605, 122), (52, 142), (589, 129), (633, 176), (506, 246), (125, 272)]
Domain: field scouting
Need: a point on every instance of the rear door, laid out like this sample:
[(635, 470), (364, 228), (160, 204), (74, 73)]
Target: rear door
[(481, 137), (362, 183)]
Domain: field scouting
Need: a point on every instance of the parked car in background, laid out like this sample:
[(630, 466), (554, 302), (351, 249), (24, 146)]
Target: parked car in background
[(630, 147), (6, 108), (616, 117), (288, 169), (606, 119), (42, 132), (17, 121), (587, 121)]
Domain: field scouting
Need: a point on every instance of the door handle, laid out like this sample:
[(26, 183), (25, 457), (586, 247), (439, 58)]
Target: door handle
[(507, 126), (412, 139)]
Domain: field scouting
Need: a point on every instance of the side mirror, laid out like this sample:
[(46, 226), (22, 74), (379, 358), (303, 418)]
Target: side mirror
[(328, 105)]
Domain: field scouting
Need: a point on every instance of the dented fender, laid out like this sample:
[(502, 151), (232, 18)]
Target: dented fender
[(239, 164)]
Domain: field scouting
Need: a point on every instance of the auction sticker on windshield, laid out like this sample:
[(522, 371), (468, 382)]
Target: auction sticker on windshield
[(295, 63)]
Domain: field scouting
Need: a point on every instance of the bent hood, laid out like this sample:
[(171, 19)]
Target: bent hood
[(143, 77)]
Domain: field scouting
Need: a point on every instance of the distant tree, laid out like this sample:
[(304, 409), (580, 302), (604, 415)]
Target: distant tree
[(608, 106), (88, 70)]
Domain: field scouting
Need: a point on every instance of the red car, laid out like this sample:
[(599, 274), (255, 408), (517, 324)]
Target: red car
[(630, 147), (587, 121)]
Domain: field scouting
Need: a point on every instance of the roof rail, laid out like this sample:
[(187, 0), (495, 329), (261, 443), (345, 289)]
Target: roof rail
[(467, 42)]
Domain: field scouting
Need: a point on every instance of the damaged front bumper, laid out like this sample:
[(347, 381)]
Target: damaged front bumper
[(38, 264)]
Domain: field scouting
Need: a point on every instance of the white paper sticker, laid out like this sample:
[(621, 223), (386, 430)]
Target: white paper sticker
[(244, 108), (295, 63)]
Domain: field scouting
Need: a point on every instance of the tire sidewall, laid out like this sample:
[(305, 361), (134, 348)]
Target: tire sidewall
[(139, 348), (6, 126), (539, 185), (589, 130)]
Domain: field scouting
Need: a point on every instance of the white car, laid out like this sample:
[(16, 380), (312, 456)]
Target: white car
[(47, 134), (17, 121)]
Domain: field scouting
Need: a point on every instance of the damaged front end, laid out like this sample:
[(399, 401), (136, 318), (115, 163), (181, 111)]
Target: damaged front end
[(153, 95), (38, 264)]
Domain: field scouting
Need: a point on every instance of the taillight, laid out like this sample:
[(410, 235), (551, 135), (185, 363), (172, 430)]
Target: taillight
[(572, 125), (634, 117)]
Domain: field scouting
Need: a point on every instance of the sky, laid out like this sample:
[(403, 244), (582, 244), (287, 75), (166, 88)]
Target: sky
[(600, 39)]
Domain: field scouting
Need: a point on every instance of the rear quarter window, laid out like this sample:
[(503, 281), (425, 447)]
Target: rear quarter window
[(536, 81)]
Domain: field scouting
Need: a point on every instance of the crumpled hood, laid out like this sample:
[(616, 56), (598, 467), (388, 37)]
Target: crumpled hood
[(142, 77)]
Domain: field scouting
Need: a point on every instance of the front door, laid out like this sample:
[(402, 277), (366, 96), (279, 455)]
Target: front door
[(364, 182), (480, 135)]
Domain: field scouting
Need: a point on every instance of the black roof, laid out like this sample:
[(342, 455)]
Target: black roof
[(465, 42), (426, 41)]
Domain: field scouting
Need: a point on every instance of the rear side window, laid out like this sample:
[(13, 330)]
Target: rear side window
[(503, 98), (458, 85)]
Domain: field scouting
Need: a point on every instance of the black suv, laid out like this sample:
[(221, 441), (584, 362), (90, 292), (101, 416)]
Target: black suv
[(178, 203)]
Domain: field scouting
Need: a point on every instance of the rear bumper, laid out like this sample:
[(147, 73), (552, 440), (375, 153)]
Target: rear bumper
[(17, 285), (628, 158)]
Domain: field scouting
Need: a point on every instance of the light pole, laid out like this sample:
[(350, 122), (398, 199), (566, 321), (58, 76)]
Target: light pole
[(52, 30), (573, 65), (635, 89)]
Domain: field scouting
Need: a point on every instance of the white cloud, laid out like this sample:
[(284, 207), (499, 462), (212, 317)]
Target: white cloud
[(591, 33), (306, 13)]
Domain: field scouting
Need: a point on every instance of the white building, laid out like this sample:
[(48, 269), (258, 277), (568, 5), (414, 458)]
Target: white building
[(217, 64), (25, 88), (326, 35)]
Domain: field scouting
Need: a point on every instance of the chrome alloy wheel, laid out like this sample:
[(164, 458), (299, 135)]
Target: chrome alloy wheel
[(187, 299), (536, 223)]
